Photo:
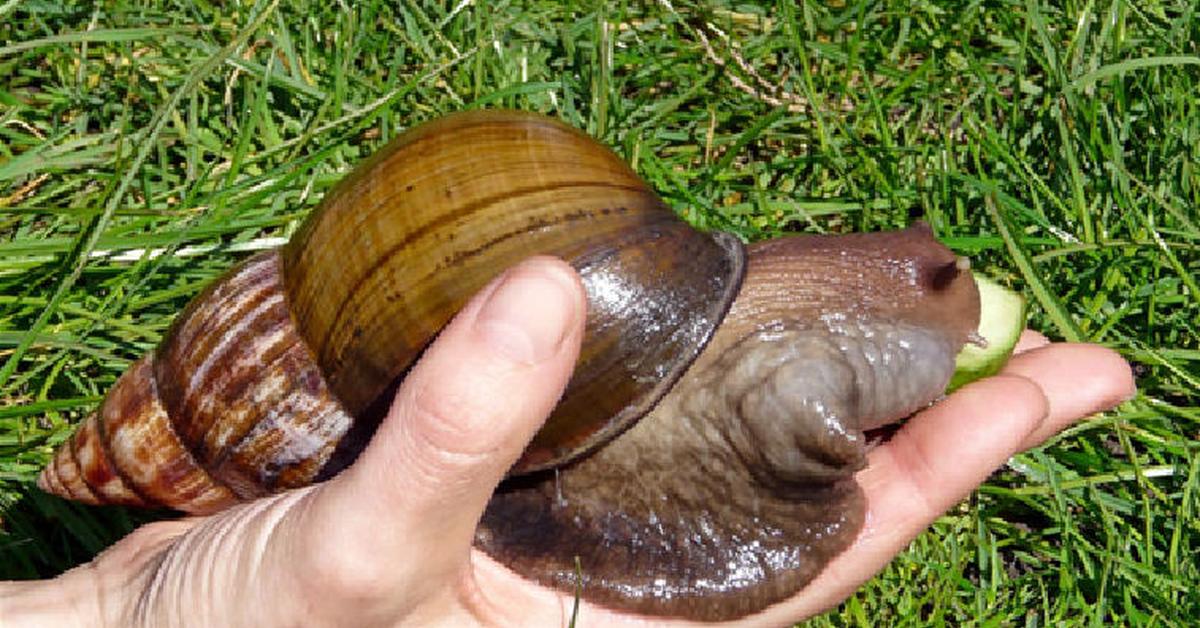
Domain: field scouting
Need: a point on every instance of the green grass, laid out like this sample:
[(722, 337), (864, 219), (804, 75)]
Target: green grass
[(1058, 144)]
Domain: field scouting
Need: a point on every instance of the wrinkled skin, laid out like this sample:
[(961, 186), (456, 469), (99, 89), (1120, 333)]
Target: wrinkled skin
[(320, 556)]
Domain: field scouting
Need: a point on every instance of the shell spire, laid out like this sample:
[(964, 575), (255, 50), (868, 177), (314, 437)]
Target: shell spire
[(230, 407), (127, 453)]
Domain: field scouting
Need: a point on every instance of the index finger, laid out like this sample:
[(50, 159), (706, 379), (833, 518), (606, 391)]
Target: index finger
[(1078, 380), (933, 462)]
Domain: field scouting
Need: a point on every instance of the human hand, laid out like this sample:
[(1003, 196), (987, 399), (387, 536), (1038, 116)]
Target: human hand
[(946, 451), (930, 464), (389, 541)]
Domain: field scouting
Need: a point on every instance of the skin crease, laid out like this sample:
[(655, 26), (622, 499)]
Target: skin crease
[(320, 556)]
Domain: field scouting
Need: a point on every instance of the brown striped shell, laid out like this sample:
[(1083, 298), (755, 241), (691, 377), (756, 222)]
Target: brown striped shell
[(731, 493), (267, 381)]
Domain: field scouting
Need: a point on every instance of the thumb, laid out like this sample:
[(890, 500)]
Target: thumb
[(462, 417)]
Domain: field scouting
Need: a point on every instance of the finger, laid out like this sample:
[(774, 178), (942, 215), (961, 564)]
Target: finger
[(462, 416), (943, 453), (1030, 340), (1078, 380), (932, 463)]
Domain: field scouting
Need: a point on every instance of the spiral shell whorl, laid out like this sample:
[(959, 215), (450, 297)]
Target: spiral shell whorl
[(230, 407), (128, 453)]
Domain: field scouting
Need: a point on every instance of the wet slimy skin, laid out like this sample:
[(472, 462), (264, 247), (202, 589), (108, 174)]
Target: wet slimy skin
[(739, 487)]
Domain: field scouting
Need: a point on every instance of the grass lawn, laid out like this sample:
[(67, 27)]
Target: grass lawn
[(145, 147)]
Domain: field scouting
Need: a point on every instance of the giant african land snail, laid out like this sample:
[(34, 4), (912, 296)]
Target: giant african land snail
[(753, 370)]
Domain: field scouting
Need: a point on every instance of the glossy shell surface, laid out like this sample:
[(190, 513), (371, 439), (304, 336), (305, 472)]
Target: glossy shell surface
[(407, 238), (278, 373)]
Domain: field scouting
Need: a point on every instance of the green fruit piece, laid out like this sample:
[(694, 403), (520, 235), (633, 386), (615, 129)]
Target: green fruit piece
[(1001, 321)]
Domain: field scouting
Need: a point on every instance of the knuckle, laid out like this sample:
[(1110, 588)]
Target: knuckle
[(917, 474), (449, 429), (448, 419), (348, 575)]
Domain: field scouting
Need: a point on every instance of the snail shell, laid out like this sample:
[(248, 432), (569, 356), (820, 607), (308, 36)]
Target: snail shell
[(731, 493), (267, 380)]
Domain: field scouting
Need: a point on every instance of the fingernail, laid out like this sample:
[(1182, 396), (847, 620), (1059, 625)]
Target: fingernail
[(528, 316)]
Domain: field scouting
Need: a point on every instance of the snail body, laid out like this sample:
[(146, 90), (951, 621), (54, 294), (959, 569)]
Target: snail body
[(738, 488), (753, 374)]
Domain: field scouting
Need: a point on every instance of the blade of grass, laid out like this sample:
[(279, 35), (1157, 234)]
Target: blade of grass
[(1053, 307), (1114, 69), (118, 195), (97, 35)]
